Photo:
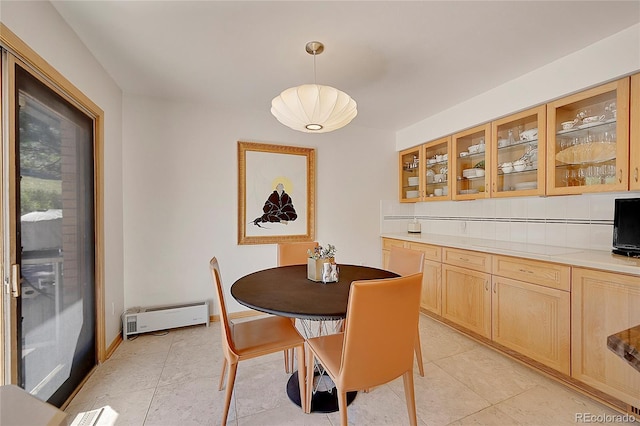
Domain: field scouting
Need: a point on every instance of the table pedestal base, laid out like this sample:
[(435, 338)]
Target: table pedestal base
[(321, 401)]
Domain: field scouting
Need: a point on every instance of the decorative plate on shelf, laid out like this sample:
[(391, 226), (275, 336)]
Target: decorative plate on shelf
[(595, 152)]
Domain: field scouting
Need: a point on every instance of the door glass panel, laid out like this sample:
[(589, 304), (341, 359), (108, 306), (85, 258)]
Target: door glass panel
[(54, 142)]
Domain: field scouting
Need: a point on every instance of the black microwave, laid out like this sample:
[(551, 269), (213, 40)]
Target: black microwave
[(626, 227)]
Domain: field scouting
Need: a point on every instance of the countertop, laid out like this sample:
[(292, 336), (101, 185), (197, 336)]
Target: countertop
[(595, 259), (626, 344)]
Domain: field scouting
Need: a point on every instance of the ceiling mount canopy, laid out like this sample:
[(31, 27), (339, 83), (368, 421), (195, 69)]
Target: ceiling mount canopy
[(314, 108)]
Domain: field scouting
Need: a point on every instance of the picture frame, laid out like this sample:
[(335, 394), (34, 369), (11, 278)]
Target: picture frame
[(276, 193)]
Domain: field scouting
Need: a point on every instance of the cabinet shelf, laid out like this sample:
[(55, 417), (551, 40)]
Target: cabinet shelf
[(515, 173), (518, 144), (585, 128)]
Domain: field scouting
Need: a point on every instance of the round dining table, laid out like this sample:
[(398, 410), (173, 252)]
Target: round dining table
[(286, 291)]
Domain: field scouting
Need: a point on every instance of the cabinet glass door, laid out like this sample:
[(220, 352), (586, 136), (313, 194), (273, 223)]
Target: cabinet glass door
[(588, 147), (437, 175), (517, 152), (411, 168), (469, 161)]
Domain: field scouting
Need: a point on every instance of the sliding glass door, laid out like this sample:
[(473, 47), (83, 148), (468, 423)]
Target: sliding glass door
[(52, 244)]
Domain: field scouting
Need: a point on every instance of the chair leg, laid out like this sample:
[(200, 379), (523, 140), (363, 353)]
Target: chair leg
[(310, 367), (409, 395), (289, 355), (227, 397), (418, 351), (224, 369), (302, 383), (342, 406)]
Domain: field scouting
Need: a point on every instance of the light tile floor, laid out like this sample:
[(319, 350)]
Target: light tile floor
[(172, 380)]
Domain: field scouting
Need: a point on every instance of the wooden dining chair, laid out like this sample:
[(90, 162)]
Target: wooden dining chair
[(405, 261), (251, 339), (374, 349), (293, 254)]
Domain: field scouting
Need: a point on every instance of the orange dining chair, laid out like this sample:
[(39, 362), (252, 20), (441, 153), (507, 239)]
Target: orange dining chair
[(405, 261), (373, 349), (293, 254), (251, 339)]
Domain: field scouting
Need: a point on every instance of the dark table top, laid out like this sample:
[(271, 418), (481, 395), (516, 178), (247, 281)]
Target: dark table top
[(286, 291)]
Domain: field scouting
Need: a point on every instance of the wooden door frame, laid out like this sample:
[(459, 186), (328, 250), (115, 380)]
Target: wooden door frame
[(49, 76)]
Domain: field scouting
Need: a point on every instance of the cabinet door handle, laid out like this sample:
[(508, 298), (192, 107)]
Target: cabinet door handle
[(494, 287), (620, 178), (494, 187), (486, 285), (525, 271), (464, 259), (635, 174)]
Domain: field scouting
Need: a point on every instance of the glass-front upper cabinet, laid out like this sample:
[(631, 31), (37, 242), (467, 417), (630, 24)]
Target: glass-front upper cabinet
[(588, 141), (411, 168), (470, 159), (634, 159), (518, 154), (437, 174)]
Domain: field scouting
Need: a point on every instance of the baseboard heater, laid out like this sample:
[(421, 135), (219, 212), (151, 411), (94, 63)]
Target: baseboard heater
[(144, 320)]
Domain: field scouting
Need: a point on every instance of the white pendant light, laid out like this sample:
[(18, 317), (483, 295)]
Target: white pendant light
[(314, 108)]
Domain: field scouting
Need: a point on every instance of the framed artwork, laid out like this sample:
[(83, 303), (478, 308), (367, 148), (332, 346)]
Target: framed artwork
[(276, 193)]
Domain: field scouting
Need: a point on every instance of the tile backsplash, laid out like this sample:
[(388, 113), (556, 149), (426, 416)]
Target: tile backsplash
[(581, 221)]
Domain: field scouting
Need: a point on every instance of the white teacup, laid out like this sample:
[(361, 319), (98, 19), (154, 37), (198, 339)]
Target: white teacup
[(437, 192)]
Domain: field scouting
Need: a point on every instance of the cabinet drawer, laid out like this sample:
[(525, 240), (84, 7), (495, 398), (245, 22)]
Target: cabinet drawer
[(433, 253), (467, 259), (387, 243), (533, 271)]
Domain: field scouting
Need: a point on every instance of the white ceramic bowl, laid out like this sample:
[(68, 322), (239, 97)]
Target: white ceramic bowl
[(519, 165), (506, 167), (473, 149), (439, 178), (413, 194), (479, 172), (415, 180)]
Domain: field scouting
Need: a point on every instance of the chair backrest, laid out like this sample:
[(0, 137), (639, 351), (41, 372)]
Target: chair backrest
[(294, 253), (404, 261), (380, 331), (224, 319)]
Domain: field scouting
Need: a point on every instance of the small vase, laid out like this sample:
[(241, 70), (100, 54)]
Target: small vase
[(315, 267)]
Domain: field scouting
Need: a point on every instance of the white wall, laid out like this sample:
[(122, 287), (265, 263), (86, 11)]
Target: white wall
[(40, 26), (605, 60), (180, 195)]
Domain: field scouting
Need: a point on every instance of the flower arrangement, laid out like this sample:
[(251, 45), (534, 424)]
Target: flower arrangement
[(320, 252)]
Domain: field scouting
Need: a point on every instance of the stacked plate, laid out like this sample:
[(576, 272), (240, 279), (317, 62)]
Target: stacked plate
[(469, 173), (526, 185)]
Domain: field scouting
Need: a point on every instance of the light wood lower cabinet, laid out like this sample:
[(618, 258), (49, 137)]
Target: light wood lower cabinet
[(431, 276), (533, 320), (555, 314), (432, 287), (603, 304), (466, 298)]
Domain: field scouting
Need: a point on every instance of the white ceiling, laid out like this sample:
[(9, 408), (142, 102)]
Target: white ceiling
[(401, 61)]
